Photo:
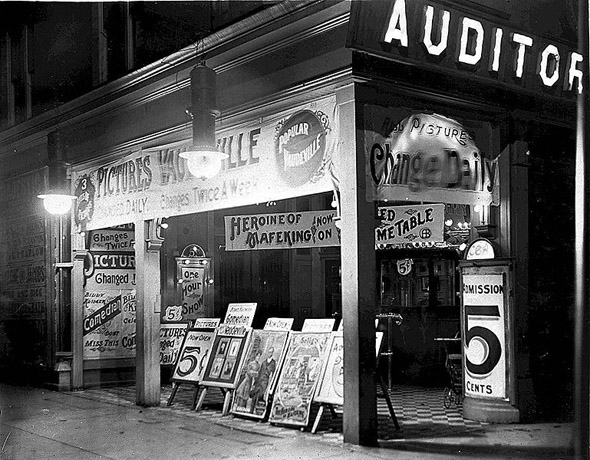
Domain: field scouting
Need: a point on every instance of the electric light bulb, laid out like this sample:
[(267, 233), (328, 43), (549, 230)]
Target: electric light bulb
[(57, 204)]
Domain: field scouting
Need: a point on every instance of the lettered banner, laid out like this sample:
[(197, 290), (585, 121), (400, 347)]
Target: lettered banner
[(410, 224), (281, 231), (283, 157)]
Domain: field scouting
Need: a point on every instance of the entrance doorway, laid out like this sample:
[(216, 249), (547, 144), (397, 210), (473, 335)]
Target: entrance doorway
[(422, 287)]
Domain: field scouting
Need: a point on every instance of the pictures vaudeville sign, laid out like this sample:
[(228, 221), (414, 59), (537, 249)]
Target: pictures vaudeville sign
[(283, 157)]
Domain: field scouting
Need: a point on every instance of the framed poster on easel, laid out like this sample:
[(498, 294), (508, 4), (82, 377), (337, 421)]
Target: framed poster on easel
[(297, 382), (223, 366), (258, 376), (330, 388), (192, 358)]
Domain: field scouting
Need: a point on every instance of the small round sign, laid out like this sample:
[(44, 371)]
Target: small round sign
[(480, 249)]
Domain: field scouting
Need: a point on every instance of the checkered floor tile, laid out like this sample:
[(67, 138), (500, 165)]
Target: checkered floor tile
[(420, 413)]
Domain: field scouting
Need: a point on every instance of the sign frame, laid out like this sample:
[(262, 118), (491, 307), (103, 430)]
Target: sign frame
[(291, 404), (252, 379), (172, 345), (186, 353), (226, 357), (481, 320)]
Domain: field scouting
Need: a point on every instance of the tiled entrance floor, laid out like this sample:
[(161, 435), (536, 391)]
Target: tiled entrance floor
[(420, 412)]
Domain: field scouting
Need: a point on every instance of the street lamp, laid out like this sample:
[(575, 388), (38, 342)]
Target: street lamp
[(57, 203)]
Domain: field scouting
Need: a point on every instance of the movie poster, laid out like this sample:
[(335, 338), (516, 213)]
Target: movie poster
[(298, 379)]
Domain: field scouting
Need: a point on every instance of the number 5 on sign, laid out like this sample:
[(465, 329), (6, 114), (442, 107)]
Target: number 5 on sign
[(484, 335)]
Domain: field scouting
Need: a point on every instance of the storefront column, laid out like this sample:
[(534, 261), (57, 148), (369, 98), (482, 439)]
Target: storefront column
[(147, 269), (358, 280), (77, 294)]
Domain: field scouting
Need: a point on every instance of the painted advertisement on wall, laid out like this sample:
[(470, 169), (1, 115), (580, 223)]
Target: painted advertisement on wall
[(22, 248), (311, 229), (284, 156), (427, 157), (24, 270), (109, 294), (484, 291)]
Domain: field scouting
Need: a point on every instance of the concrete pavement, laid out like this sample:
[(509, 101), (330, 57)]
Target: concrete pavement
[(40, 424)]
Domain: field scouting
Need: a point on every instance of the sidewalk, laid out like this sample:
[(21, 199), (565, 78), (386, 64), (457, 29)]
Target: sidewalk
[(39, 424)]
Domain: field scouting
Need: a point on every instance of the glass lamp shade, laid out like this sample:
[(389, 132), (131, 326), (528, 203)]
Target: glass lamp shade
[(204, 163), (57, 204)]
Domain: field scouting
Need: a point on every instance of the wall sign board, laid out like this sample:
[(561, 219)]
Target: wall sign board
[(439, 37), (284, 156)]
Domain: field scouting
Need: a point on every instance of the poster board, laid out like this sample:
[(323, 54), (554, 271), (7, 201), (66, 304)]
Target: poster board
[(330, 389), (259, 373), (171, 338), (193, 355), (240, 314), (279, 324), (109, 294), (228, 347), (318, 325), (298, 378), (206, 323)]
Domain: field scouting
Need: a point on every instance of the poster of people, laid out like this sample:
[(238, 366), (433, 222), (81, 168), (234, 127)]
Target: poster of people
[(226, 355), (193, 356), (298, 378), (262, 362), (331, 383)]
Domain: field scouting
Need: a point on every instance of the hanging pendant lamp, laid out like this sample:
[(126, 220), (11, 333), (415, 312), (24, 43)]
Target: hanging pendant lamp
[(203, 158)]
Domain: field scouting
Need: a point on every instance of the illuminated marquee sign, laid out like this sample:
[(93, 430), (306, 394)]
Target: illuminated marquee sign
[(426, 157), (436, 36)]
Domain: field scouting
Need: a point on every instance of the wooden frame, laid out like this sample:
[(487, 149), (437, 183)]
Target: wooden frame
[(330, 388), (194, 355), (259, 373), (298, 379), (225, 359)]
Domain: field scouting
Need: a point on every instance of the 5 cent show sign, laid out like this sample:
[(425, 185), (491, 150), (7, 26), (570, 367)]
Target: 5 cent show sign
[(485, 331)]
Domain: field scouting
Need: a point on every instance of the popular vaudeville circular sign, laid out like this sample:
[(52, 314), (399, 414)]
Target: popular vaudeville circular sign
[(300, 145), (425, 157)]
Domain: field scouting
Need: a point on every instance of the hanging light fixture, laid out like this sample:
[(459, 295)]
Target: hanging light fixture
[(57, 200), (203, 158)]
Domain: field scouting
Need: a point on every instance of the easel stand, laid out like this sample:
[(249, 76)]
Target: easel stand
[(176, 386), (320, 413), (384, 394), (227, 393)]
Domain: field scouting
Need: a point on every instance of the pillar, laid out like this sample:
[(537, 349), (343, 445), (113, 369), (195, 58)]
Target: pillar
[(147, 268), (358, 279)]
